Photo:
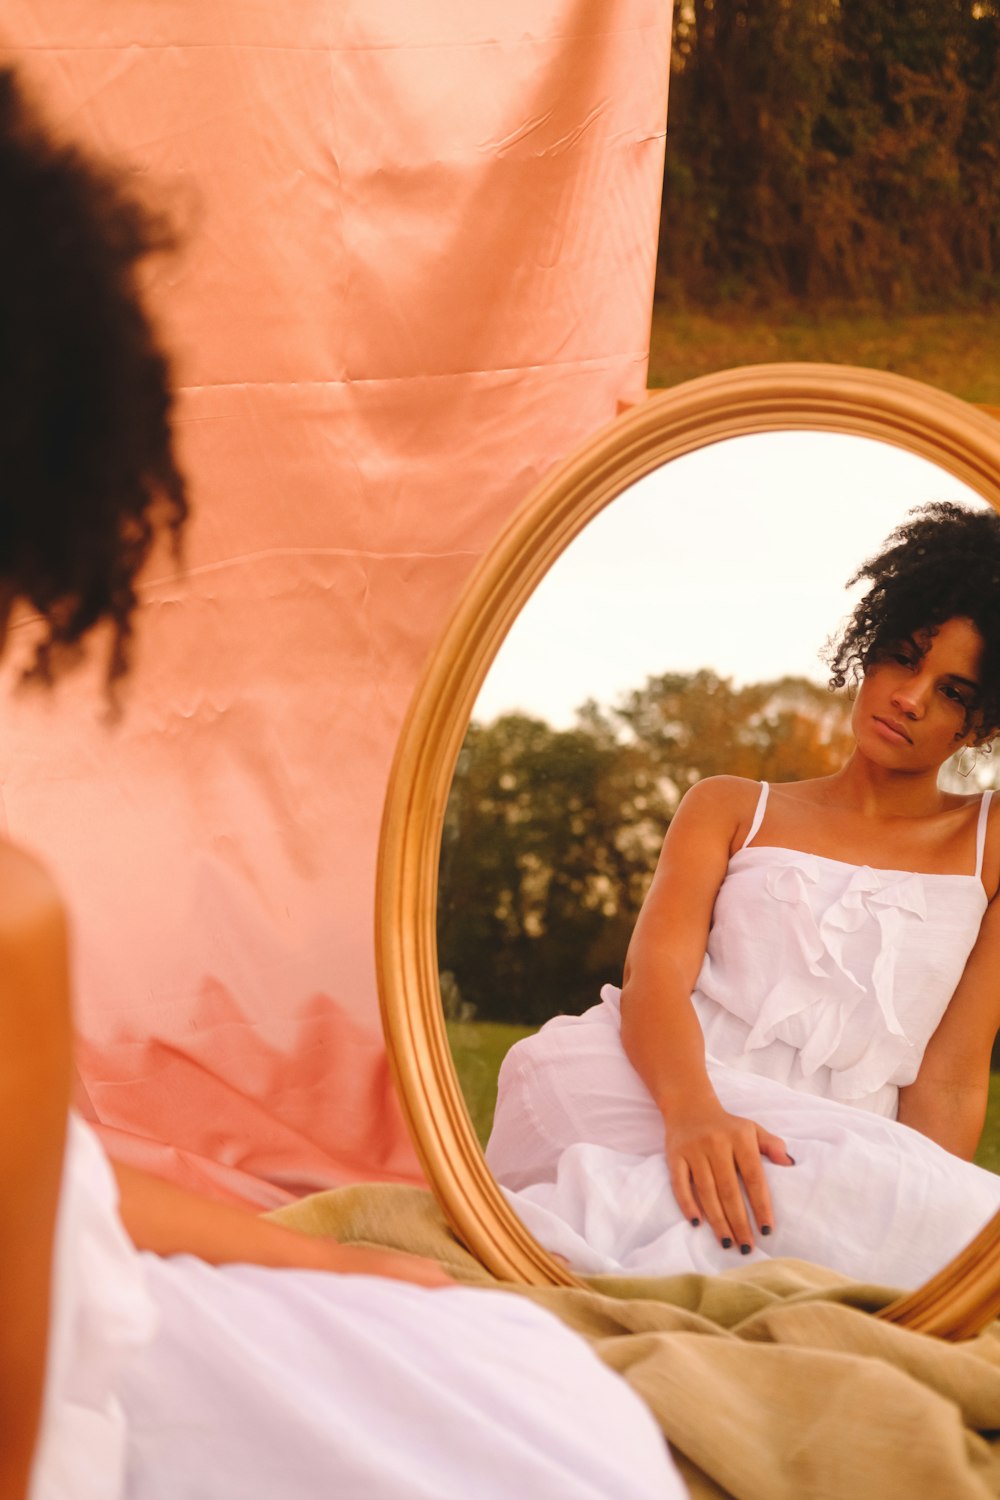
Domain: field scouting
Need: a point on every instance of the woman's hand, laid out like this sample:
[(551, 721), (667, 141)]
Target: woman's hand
[(397, 1265), (714, 1160)]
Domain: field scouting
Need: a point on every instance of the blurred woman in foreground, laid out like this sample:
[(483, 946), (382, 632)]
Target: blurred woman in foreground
[(180, 1348)]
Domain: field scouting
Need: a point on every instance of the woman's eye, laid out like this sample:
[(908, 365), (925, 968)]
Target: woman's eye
[(903, 660)]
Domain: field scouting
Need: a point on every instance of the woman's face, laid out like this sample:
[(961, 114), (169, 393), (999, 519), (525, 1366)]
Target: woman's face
[(916, 705)]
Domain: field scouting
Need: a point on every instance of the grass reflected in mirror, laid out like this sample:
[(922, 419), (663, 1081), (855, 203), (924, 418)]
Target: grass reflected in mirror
[(478, 1048)]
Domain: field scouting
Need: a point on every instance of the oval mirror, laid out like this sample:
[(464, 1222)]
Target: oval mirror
[(712, 432)]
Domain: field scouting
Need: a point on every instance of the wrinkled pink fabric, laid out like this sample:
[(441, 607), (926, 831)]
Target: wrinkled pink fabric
[(417, 270)]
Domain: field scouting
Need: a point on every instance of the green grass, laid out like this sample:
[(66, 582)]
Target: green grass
[(988, 1154), (955, 350), (479, 1047)]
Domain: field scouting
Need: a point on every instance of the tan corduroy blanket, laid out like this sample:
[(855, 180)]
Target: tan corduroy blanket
[(770, 1383)]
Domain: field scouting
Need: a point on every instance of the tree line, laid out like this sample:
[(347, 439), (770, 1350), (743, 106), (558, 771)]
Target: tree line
[(551, 835), (833, 149)]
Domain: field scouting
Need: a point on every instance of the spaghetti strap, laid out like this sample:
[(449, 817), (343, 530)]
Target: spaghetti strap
[(984, 810), (758, 815)]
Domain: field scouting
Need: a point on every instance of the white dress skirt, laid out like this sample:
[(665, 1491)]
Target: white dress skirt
[(169, 1379), (821, 986)]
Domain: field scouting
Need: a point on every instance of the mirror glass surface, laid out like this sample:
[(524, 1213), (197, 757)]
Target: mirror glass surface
[(678, 636)]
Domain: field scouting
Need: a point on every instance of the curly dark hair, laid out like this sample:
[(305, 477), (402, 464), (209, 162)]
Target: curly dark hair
[(87, 470), (941, 563)]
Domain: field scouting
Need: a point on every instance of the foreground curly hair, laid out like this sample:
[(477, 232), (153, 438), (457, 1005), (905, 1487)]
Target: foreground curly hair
[(86, 462), (943, 562)]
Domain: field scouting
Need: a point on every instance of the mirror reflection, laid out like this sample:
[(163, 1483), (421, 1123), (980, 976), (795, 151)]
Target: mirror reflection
[(677, 640)]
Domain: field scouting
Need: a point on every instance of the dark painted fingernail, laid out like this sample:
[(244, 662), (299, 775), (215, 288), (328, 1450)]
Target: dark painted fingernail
[(744, 1249), (765, 1229), (696, 1222), (726, 1243)]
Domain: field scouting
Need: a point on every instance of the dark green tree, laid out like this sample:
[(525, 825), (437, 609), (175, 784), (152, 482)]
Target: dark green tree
[(834, 149), (548, 838)]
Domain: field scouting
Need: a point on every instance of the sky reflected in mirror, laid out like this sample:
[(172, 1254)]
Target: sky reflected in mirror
[(734, 557)]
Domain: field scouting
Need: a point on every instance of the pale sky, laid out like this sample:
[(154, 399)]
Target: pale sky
[(734, 557)]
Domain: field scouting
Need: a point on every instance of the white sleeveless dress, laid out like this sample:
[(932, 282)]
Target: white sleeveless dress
[(821, 986), (169, 1379)]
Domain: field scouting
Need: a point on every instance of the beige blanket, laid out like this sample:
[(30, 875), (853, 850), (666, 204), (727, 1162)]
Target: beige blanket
[(770, 1383)]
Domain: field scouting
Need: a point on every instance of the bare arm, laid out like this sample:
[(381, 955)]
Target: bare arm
[(660, 1032), (947, 1100), (172, 1221), (709, 1151), (35, 1047)]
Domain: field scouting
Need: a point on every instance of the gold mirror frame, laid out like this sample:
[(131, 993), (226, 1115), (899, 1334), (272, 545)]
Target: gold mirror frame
[(965, 442)]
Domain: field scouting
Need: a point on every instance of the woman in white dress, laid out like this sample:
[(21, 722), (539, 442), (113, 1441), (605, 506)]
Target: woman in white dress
[(183, 1348), (798, 1061)]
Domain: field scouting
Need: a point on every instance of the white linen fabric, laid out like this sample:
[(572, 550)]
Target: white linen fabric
[(821, 986), (172, 1378), (101, 1315)]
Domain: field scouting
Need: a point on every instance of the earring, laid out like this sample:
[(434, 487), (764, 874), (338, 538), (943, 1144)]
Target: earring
[(968, 768)]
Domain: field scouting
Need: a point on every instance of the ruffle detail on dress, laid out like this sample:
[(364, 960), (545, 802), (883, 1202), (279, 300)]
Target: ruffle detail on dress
[(851, 1026)]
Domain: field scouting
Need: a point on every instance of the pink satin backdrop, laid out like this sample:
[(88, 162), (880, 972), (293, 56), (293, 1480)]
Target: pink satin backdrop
[(417, 270)]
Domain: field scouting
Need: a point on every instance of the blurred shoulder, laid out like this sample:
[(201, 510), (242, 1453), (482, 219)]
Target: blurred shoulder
[(35, 1023), (30, 901)]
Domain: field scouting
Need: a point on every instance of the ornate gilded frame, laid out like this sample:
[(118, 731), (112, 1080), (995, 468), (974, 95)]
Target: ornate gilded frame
[(962, 1298)]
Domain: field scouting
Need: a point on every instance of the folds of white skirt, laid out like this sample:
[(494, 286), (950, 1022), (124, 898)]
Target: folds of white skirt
[(578, 1148)]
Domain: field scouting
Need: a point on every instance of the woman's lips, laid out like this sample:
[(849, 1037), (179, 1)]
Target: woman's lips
[(892, 730)]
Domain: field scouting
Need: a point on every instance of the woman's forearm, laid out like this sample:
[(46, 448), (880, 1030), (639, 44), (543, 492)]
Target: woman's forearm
[(169, 1220), (660, 1031), (662, 1037)]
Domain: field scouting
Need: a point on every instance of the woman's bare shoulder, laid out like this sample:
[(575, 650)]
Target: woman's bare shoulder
[(719, 809), (723, 794), (29, 897), (35, 1022)]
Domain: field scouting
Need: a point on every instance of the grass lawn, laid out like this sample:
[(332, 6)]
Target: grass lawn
[(479, 1047), (956, 351)]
